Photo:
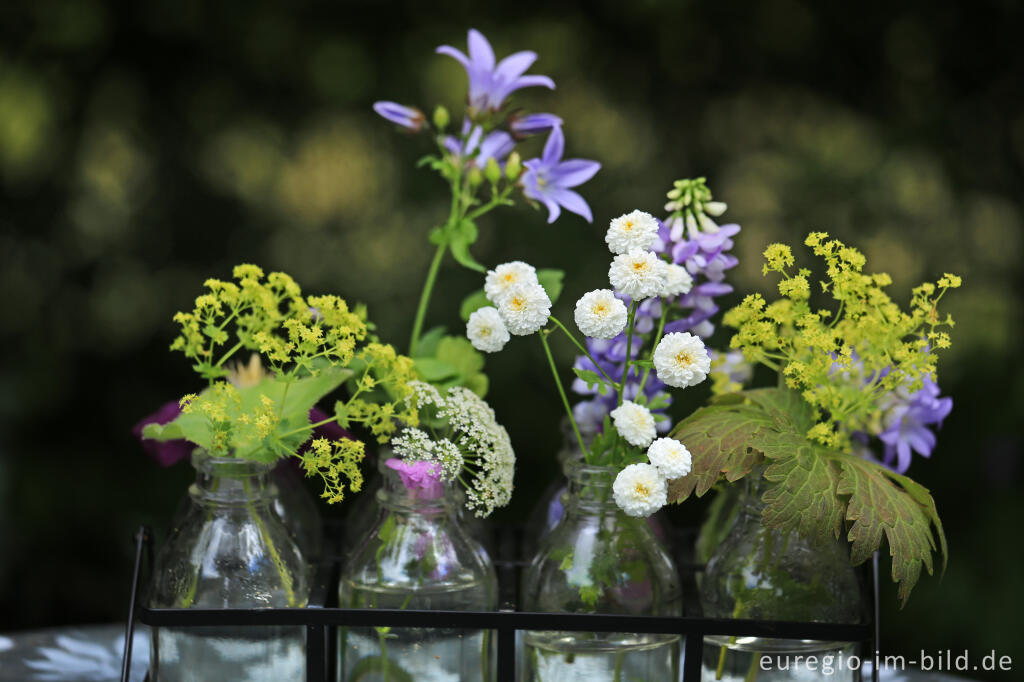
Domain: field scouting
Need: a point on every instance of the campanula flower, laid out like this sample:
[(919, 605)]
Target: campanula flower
[(547, 179), (410, 118), (490, 83)]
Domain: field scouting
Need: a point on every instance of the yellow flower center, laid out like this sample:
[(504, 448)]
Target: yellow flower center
[(509, 278), (517, 303), (628, 226), (641, 490), (684, 358), (639, 265), (600, 309)]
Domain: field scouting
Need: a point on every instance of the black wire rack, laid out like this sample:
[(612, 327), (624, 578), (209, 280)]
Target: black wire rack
[(322, 617)]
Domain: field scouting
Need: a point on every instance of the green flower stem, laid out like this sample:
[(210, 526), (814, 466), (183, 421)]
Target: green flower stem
[(654, 346), (275, 556), (498, 200), (585, 351), (561, 390), (228, 354), (629, 347), (428, 288)]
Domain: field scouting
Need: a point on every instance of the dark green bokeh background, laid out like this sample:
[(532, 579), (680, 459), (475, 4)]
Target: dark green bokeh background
[(147, 146)]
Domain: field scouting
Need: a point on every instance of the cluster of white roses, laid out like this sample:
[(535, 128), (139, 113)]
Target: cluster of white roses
[(521, 307)]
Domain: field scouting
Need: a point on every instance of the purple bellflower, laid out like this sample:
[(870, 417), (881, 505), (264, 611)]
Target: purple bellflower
[(490, 83), (479, 147), (410, 118), (907, 422), (532, 124), (547, 179)]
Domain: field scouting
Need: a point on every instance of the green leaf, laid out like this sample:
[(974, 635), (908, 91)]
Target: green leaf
[(437, 236), (462, 238), (427, 347), (551, 280), (592, 379), (804, 495), (472, 303), (883, 502), (459, 352), (433, 370), (589, 594)]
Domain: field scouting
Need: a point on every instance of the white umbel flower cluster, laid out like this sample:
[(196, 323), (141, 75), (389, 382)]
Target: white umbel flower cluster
[(486, 330), (670, 457), (635, 423), (471, 446), (600, 315), (678, 280), (638, 274), (681, 360), (501, 279), (635, 230), (640, 490)]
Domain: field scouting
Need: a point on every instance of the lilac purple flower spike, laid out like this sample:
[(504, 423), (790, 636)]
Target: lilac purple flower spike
[(547, 179), (908, 420), (409, 118), (490, 83)]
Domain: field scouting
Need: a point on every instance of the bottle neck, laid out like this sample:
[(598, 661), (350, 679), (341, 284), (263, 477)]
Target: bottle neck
[(414, 494), (753, 487), (231, 481), (590, 487)]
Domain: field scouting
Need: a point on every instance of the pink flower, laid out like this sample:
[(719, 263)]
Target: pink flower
[(419, 476)]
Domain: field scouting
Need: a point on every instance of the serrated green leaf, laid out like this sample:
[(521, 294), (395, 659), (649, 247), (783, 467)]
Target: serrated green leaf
[(459, 352), (878, 506), (472, 303), (551, 280), (461, 239), (803, 497)]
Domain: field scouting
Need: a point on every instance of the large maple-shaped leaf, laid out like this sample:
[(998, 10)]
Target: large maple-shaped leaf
[(803, 496), (883, 502)]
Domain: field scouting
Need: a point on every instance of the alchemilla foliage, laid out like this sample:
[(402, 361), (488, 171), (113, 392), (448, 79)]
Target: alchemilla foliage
[(311, 346), (838, 367)]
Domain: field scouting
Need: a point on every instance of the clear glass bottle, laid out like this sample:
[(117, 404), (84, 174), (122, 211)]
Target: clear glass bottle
[(599, 560), (228, 550), (418, 555), (764, 574)]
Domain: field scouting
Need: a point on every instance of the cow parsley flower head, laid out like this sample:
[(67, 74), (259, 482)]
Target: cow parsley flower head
[(638, 274), (486, 330), (635, 423), (681, 360), (525, 308), (677, 281), (507, 275), (469, 445), (671, 457), (599, 314), (634, 230), (640, 490)]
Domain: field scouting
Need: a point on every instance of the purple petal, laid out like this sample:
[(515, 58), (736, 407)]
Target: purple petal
[(572, 202), (574, 172), (534, 124), (455, 54), (165, 453), (553, 210), (498, 145), (480, 52), (407, 117), (513, 66), (554, 147), (474, 140), (531, 82)]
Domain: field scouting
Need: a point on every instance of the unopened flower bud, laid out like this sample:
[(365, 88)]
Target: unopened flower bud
[(475, 177), (715, 208), (441, 118), (492, 171), (513, 166)]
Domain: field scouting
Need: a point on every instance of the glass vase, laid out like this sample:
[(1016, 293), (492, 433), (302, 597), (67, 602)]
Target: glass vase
[(229, 550), (599, 560), (417, 555), (764, 574)]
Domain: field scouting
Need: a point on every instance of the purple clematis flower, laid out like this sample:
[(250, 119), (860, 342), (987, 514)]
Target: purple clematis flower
[(548, 178), (532, 124), (168, 453), (490, 83), (907, 421), (409, 118)]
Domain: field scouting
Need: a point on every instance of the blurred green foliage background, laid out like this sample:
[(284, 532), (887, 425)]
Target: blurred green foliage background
[(147, 146)]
